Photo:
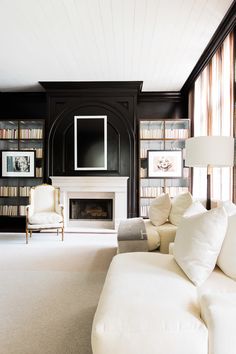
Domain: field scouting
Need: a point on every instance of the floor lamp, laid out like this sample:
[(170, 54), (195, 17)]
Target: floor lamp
[(209, 151)]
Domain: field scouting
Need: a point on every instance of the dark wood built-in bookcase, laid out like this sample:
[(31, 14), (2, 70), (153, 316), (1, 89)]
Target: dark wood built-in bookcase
[(165, 135), (20, 135)]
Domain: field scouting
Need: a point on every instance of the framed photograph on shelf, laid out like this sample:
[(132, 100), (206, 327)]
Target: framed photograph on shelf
[(165, 163), (17, 163)]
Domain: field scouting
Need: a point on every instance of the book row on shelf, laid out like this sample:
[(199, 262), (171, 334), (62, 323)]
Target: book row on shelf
[(8, 133), (143, 172), (169, 133), (25, 191), (176, 133), (151, 133), (12, 210), (144, 210), (24, 133), (39, 172), (153, 192), (39, 151), (31, 133), (7, 191)]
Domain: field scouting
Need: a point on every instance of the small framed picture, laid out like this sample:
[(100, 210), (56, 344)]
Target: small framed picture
[(18, 163), (165, 163)]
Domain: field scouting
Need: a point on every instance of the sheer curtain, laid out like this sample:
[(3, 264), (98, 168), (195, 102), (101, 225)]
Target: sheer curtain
[(213, 115)]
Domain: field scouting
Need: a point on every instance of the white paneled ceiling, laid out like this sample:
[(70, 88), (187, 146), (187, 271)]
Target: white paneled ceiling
[(156, 41)]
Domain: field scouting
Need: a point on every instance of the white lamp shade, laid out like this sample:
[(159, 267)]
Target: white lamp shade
[(203, 151)]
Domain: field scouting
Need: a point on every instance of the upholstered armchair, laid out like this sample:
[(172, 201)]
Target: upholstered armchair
[(44, 211)]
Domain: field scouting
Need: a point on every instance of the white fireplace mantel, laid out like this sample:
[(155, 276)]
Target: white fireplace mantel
[(91, 187)]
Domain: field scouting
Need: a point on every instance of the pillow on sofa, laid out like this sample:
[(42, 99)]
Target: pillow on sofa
[(194, 209), (227, 257), (179, 205), (198, 242), (230, 207), (159, 209)]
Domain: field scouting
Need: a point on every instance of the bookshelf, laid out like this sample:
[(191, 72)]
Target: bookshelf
[(161, 134), (20, 135)]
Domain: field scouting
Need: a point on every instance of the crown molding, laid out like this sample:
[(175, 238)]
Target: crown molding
[(85, 86), (149, 96)]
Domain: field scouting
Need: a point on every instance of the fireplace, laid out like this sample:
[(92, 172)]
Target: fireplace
[(102, 188), (90, 209)]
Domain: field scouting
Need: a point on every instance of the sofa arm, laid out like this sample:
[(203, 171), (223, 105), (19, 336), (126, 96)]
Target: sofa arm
[(219, 314)]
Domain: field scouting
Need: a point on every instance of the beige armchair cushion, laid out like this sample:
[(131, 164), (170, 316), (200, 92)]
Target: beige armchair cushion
[(44, 226), (45, 218)]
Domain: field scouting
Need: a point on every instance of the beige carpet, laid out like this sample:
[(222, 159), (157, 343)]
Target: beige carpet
[(49, 291)]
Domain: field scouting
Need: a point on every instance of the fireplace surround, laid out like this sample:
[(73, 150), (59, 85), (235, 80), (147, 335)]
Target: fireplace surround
[(93, 188)]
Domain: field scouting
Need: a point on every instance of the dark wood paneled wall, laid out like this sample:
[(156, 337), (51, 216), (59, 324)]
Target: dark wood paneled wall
[(122, 102), (161, 105), (116, 100), (19, 105)]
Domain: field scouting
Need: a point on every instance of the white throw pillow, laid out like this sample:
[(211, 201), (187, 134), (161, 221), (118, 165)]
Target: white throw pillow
[(230, 207), (198, 242), (159, 209), (227, 257), (179, 205), (194, 209)]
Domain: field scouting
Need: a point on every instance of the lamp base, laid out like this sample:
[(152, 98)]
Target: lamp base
[(208, 200)]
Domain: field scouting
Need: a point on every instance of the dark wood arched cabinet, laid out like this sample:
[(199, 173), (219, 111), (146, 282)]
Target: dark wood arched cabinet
[(115, 100)]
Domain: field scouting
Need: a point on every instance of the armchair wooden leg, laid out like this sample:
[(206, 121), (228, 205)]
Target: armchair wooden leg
[(30, 233), (26, 234), (62, 233)]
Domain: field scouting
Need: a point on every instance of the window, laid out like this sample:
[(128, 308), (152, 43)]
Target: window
[(213, 115)]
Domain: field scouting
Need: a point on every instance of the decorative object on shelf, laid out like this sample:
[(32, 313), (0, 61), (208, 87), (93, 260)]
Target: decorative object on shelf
[(165, 163), (209, 152), (18, 163), (90, 141)]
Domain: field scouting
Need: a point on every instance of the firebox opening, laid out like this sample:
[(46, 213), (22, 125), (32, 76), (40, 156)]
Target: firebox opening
[(90, 209)]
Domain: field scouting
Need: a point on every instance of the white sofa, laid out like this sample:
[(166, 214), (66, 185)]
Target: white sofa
[(160, 236), (164, 217), (149, 306)]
